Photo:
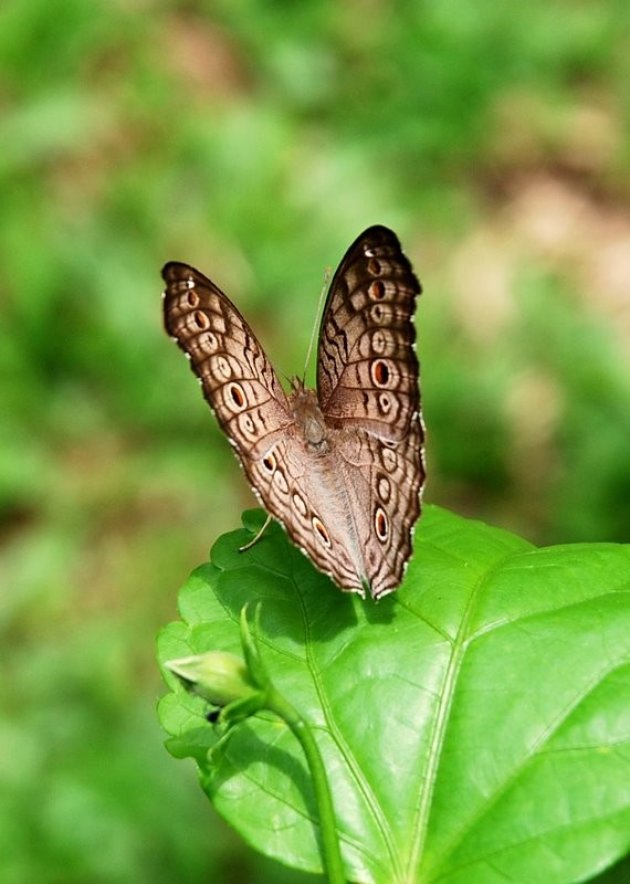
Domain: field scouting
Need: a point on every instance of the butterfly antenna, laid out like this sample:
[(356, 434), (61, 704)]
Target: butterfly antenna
[(327, 275)]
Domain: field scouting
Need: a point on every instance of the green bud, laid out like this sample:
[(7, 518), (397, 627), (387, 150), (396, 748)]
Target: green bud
[(217, 676)]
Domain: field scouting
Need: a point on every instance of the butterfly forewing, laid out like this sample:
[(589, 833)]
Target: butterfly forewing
[(238, 380), (367, 370)]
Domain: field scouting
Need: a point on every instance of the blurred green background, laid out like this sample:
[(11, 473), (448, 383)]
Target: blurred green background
[(256, 140)]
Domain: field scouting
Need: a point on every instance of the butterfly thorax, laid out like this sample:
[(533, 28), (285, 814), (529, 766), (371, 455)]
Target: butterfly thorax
[(309, 418)]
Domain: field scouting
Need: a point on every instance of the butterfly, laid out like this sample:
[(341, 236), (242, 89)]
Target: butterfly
[(340, 467)]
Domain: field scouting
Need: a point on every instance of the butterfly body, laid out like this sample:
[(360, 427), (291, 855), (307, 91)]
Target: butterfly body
[(309, 418), (341, 467)]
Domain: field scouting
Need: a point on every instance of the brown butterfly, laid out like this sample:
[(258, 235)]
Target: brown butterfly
[(341, 467)]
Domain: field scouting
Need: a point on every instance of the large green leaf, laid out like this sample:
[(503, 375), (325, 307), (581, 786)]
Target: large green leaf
[(475, 725)]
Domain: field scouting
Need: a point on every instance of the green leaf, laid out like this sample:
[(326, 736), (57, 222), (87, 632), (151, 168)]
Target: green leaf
[(475, 725)]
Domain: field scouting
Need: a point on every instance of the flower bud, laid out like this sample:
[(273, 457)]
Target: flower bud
[(217, 676)]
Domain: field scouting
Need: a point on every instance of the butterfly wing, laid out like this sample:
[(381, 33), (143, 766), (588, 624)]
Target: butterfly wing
[(388, 479), (367, 382), (367, 369), (354, 513), (238, 380), (299, 491)]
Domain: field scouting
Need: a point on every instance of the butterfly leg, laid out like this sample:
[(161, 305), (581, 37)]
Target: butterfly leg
[(256, 538)]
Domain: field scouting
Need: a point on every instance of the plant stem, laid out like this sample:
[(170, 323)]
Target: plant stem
[(331, 855)]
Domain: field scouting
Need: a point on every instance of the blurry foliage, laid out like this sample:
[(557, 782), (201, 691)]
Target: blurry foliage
[(256, 139)]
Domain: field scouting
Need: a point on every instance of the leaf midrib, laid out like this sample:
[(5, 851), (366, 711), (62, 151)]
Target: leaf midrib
[(436, 742), (370, 799)]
